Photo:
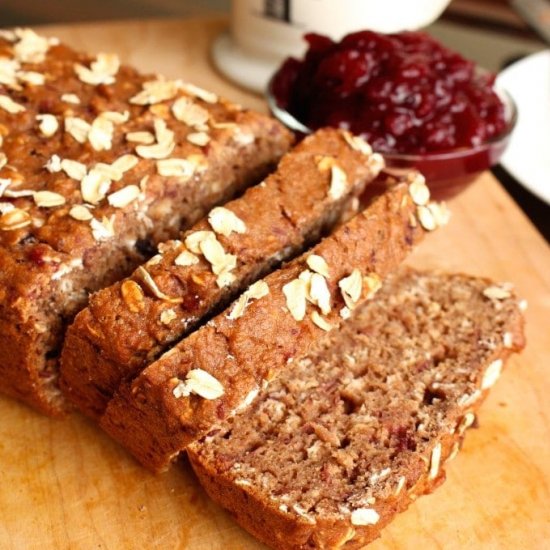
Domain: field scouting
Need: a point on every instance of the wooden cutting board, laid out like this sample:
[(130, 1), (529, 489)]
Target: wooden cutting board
[(65, 485)]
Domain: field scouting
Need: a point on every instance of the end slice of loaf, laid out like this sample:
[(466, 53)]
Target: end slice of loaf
[(126, 326), (99, 163), (349, 436), (223, 365)]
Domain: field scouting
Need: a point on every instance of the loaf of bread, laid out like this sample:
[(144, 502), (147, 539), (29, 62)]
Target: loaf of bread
[(128, 324), (220, 367), (98, 164), (350, 435)]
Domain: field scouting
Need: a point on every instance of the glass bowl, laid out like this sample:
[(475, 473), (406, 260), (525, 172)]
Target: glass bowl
[(447, 173)]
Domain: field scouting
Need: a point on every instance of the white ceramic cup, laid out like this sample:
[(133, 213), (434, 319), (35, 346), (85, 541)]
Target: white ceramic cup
[(264, 32)]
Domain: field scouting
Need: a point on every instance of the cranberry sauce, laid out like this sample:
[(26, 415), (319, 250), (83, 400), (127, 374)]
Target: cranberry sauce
[(404, 93)]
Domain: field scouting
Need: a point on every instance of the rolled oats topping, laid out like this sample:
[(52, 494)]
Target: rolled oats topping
[(32, 78), (320, 321), (357, 143), (345, 313), (320, 293), (48, 124), (153, 287), (224, 221), (164, 142), (94, 186), (125, 163), (498, 292), (440, 213), (18, 193), (193, 240), (365, 516), (435, 459), (78, 128), (419, 191), (115, 117), (47, 199), (167, 316), (101, 134), (81, 213), (372, 283), (201, 383), (351, 287), (14, 219), (30, 47), (426, 218), (295, 293), (8, 72), (53, 164), (338, 183), (145, 138), (156, 91), (186, 259), (104, 229), (4, 184), (175, 167), (492, 374), (101, 71), (125, 196), (74, 169), (318, 264), (467, 420), (255, 291), (198, 138), (200, 93), (215, 254), (73, 99), (13, 76), (133, 296), (225, 278), (9, 105), (508, 340), (190, 113)]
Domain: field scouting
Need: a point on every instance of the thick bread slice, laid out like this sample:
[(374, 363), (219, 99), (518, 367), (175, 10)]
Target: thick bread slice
[(126, 326), (99, 163), (349, 436), (219, 368)]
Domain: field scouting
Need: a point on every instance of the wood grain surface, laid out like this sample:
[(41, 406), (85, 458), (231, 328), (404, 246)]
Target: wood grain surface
[(65, 485)]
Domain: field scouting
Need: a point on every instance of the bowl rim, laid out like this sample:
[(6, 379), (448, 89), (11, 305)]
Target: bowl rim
[(291, 122)]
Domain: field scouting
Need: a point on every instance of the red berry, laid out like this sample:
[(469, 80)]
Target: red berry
[(403, 92)]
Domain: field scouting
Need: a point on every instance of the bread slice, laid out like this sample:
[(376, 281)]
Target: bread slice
[(220, 367), (99, 163), (127, 325), (346, 438)]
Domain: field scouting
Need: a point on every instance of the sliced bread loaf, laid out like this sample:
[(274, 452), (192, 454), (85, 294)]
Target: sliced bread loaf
[(99, 163), (349, 436), (220, 367), (127, 325)]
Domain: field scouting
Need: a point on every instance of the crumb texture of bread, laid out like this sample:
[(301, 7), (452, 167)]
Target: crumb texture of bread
[(98, 164), (220, 367), (127, 325), (351, 434)]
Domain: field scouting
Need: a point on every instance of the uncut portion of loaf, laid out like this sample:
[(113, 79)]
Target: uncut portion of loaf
[(220, 367), (98, 164), (349, 436), (127, 325)]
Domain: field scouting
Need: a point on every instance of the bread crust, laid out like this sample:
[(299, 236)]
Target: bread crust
[(155, 423), (51, 257), (114, 338)]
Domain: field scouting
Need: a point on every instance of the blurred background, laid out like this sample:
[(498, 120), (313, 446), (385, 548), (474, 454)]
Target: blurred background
[(506, 34)]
